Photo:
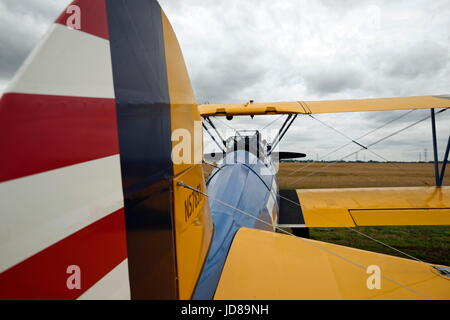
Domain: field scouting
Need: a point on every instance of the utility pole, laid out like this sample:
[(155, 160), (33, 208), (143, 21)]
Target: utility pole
[(425, 154)]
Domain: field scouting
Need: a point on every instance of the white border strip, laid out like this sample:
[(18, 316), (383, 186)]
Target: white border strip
[(40, 210), (113, 286), (67, 63)]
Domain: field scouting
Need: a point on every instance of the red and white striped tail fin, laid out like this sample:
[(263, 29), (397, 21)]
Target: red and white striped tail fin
[(89, 201), (61, 198)]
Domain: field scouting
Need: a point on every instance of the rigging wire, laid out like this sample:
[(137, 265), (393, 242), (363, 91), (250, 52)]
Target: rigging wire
[(349, 228), (225, 124), (365, 148), (272, 122), (359, 232), (212, 137), (182, 184), (346, 227), (353, 141), (339, 223)]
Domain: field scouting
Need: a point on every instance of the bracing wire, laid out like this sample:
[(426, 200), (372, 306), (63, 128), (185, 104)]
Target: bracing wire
[(366, 147), (355, 140), (346, 227), (182, 184)]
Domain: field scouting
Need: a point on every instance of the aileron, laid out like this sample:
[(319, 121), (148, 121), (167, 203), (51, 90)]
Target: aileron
[(375, 206)]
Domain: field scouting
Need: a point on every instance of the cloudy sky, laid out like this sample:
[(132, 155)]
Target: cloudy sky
[(294, 50)]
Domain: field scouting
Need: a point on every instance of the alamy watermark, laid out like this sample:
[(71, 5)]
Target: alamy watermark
[(374, 280), (74, 280), (74, 20)]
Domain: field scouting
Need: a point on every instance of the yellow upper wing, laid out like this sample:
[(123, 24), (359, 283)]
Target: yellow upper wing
[(266, 265), (375, 206), (311, 107)]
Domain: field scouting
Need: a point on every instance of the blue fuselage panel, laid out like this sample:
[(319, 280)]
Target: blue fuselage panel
[(248, 187)]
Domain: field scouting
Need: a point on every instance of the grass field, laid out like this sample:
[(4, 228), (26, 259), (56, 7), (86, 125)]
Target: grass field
[(430, 244)]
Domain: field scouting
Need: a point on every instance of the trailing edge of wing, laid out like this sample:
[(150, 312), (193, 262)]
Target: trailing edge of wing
[(266, 265), (375, 206), (332, 106)]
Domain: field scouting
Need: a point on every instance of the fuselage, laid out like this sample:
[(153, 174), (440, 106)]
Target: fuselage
[(244, 180)]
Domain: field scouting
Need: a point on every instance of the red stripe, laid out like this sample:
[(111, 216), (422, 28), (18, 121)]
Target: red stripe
[(96, 249), (41, 133), (93, 17)]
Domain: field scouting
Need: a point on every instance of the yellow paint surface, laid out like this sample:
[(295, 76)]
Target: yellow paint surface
[(266, 265), (191, 213), (332, 106), (193, 228), (375, 206), (414, 217), (183, 107)]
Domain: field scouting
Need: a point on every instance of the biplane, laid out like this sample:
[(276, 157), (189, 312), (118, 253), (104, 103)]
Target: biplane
[(93, 205)]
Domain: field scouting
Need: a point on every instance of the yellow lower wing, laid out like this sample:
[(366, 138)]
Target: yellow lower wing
[(267, 265), (375, 206)]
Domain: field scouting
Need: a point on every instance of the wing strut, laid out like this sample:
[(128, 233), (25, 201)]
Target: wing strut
[(438, 175), (444, 165), (214, 139), (282, 132), (217, 131)]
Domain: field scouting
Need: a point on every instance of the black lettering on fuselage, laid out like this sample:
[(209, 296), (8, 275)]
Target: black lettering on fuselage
[(192, 202)]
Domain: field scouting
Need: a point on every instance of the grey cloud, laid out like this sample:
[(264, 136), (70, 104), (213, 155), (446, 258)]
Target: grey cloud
[(12, 54), (292, 50), (44, 10), (398, 116), (333, 79), (23, 23), (222, 78), (423, 58)]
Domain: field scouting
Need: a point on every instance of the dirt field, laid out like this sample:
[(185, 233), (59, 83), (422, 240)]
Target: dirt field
[(355, 175)]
